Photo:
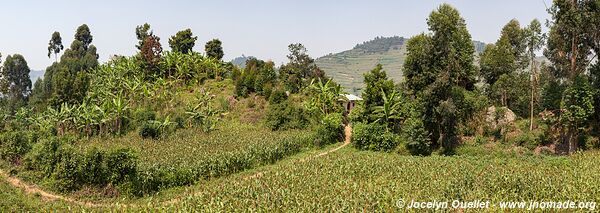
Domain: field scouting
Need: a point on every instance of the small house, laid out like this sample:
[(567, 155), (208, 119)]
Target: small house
[(352, 100)]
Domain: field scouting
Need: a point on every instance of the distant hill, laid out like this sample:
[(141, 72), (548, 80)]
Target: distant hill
[(241, 61), (347, 67)]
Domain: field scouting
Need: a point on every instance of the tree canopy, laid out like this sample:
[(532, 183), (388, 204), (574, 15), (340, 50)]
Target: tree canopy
[(183, 41)]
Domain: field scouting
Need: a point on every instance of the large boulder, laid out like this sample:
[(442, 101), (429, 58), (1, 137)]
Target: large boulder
[(499, 117)]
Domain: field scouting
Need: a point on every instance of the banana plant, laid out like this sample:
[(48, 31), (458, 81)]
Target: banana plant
[(390, 110)]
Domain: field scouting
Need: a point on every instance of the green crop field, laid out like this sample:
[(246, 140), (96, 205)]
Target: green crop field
[(351, 180)]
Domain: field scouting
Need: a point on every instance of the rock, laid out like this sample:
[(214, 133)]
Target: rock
[(499, 117)]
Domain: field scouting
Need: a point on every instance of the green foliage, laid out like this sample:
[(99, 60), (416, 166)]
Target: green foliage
[(149, 129), (67, 81), (15, 84), (357, 114), (374, 137), (497, 60), (416, 66), (325, 98), (201, 112), (578, 103), (513, 91), (443, 75), (286, 115), (55, 45), (84, 35), (330, 130), (574, 24), (13, 145), (377, 84), (142, 32), (68, 170), (300, 70), (391, 112), (121, 165), (277, 96), (183, 41), (257, 77), (415, 135), (214, 50)]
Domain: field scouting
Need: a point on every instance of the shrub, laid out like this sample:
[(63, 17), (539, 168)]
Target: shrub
[(66, 175), (149, 130), (13, 145), (416, 137), (374, 137), (141, 116), (121, 165), (330, 130), (93, 168), (44, 155), (357, 114), (285, 116), (277, 96)]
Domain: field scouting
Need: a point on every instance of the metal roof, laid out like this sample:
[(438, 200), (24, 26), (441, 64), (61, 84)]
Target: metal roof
[(352, 97)]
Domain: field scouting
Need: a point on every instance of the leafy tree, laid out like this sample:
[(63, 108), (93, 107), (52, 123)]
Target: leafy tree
[(151, 52), (390, 113), (573, 35), (578, 106), (258, 76), (300, 70), (213, 49), (377, 83), (496, 60), (444, 76), (14, 80), (534, 41), (415, 134), (183, 41), (84, 35), (141, 33), (512, 91), (573, 44), (417, 72), (55, 45), (67, 81), (516, 39)]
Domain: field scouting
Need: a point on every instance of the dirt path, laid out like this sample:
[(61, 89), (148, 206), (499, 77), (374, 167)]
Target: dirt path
[(347, 140), (32, 189), (35, 190)]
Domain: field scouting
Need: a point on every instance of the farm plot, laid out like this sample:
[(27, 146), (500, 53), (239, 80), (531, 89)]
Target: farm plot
[(350, 180)]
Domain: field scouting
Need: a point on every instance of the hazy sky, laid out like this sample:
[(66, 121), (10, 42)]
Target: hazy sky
[(261, 28)]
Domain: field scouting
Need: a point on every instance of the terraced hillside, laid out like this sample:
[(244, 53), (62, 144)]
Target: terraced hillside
[(347, 67)]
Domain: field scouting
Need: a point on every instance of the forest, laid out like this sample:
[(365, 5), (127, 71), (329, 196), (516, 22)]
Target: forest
[(183, 130)]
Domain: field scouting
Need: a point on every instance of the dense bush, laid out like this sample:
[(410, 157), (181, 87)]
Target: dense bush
[(68, 169), (416, 137), (141, 116), (277, 96), (121, 165), (286, 116), (149, 129), (374, 137), (330, 130), (15, 144)]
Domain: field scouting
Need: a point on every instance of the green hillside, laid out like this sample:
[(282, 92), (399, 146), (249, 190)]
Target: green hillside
[(347, 67)]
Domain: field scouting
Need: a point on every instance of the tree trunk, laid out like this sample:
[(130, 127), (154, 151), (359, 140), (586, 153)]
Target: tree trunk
[(532, 93)]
